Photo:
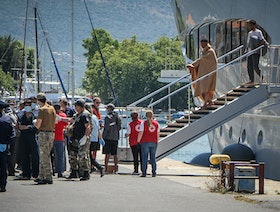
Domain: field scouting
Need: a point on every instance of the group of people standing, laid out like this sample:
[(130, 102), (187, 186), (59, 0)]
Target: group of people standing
[(45, 128), (143, 139)]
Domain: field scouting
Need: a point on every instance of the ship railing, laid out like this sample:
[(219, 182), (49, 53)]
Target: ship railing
[(238, 59), (176, 81)]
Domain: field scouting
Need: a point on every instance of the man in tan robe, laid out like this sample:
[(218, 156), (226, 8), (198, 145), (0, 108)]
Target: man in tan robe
[(207, 63)]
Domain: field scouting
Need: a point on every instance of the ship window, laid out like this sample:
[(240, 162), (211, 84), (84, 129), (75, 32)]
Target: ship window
[(243, 136), (260, 137), (221, 130), (230, 133), (228, 37), (220, 40), (203, 33), (235, 37)]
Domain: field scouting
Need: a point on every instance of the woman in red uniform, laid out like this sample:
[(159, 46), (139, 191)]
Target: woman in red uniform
[(132, 132), (148, 138)]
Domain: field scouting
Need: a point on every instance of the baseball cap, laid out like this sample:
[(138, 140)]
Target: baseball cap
[(80, 102), (110, 105)]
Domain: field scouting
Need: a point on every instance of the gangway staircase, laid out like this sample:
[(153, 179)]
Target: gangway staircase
[(199, 122)]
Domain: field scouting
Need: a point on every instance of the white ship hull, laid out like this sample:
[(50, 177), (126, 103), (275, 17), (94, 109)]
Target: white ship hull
[(258, 128)]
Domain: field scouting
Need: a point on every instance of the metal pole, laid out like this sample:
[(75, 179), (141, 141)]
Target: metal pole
[(72, 50), (36, 64)]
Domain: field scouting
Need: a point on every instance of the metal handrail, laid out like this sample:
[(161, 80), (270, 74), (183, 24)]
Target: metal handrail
[(193, 82), (175, 81)]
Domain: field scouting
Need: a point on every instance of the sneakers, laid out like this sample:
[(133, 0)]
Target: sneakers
[(101, 170), (85, 177), (3, 189), (73, 174), (142, 175), (135, 173)]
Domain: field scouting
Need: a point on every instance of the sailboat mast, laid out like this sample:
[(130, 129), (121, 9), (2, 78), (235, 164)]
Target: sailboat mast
[(72, 50), (23, 61), (36, 64)]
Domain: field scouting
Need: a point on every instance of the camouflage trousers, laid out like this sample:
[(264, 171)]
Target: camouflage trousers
[(45, 140), (80, 160)]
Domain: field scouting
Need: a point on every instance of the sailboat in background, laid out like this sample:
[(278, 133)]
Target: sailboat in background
[(31, 80)]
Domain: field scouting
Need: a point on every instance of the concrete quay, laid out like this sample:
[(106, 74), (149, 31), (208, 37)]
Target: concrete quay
[(177, 187)]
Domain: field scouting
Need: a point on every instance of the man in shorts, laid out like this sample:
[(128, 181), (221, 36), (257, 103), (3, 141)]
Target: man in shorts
[(111, 135)]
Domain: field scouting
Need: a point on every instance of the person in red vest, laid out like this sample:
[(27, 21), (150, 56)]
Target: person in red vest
[(59, 142), (132, 132), (148, 138)]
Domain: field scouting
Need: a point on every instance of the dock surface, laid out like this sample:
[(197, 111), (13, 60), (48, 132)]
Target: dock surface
[(177, 187)]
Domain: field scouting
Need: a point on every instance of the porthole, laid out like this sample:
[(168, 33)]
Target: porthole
[(260, 137), (243, 136), (221, 130), (230, 133)]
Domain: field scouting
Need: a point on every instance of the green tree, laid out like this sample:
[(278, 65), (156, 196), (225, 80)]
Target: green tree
[(133, 68), (7, 82), (11, 55)]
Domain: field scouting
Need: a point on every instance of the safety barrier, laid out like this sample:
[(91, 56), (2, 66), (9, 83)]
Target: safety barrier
[(230, 165)]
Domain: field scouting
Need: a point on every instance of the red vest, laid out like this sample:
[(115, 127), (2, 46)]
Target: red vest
[(134, 131), (59, 128), (150, 134)]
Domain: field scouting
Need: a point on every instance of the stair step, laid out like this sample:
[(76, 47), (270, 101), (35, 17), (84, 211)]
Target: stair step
[(185, 120), (241, 89), (176, 125), (216, 102), (193, 116), (163, 134), (168, 129), (249, 86), (213, 107), (205, 112), (226, 98), (235, 93)]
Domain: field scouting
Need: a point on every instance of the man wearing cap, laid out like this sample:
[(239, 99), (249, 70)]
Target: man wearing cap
[(111, 135), (6, 135), (80, 142), (45, 124)]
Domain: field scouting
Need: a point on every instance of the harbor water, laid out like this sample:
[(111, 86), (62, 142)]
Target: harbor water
[(188, 152), (185, 154)]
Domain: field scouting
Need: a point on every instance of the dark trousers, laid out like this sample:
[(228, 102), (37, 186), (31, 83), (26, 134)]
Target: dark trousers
[(136, 152), (59, 156), (30, 155), (3, 169), (12, 157), (253, 64)]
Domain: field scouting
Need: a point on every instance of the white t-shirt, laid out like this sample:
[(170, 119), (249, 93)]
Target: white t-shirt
[(257, 35)]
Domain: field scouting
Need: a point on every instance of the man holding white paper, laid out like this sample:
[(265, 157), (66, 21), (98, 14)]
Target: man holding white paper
[(80, 142)]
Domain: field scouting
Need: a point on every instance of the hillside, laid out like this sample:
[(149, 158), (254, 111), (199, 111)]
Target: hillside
[(121, 18)]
